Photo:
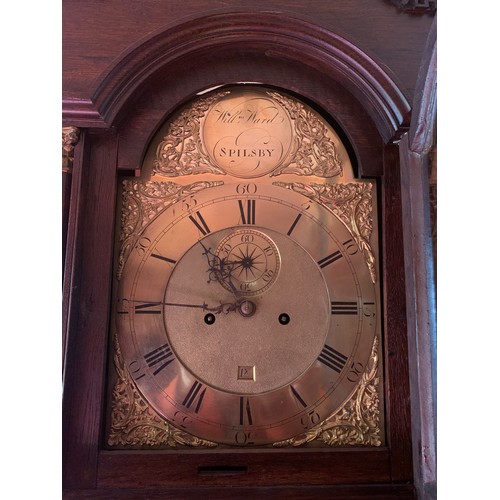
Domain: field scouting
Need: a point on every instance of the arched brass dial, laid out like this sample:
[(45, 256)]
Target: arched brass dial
[(247, 295)]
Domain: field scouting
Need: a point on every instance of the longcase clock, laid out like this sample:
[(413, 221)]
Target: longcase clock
[(235, 281)]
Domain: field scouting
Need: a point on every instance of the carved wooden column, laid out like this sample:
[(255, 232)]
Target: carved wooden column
[(70, 137), (72, 158)]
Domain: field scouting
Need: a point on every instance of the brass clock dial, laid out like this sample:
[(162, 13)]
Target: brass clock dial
[(239, 378), (246, 310)]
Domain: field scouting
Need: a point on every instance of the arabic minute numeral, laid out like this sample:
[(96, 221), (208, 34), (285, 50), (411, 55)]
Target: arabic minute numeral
[(250, 188), (135, 370), (142, 245), (242, 438), (310, 419), (189, 203), (369, 309), (350, 247), (123, 306), (355, 371)]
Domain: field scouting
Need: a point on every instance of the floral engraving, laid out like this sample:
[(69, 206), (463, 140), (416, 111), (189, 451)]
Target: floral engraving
[(357, 422), (182, 152), (313, 153), (142, 202), (352, 204), (135, 423)]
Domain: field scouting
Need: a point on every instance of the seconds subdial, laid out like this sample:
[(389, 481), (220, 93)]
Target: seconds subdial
[(254, 260)]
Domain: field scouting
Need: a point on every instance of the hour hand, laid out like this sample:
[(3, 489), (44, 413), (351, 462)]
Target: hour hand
[(220, 270)]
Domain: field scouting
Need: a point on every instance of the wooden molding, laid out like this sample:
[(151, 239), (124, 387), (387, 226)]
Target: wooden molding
[(423, 121), (264, 32), (81, 113), (417, 6)]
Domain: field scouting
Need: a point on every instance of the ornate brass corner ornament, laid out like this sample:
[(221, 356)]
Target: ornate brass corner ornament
[(352, 204), (313, 152), (357, 422), (70, 136), (182, 151), (142, 201), (135, 423)]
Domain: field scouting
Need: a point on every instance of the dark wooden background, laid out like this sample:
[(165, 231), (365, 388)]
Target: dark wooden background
[(95, 33), (126, 65)]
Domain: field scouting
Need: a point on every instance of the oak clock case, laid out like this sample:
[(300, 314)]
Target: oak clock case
[(246, 297)]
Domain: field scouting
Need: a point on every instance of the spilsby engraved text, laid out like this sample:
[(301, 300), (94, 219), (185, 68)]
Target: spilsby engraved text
[(245, 153)]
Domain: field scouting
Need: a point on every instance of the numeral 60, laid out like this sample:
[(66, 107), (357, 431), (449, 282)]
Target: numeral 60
[(246, 188)]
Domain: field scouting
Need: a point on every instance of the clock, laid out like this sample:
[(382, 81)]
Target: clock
[(246, 297)]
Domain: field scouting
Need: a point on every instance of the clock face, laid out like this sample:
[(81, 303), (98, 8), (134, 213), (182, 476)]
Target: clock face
[(246, 314), (246, 303)]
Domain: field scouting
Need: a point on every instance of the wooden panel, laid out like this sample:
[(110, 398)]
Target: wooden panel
[(396, 347), (87, 340), (350, 492), (253, 468)]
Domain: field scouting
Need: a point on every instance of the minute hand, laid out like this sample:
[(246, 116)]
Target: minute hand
[(222, 308)]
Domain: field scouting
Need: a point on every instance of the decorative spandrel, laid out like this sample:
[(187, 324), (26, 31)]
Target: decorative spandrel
[(142, 202), (352, 203), (135, 423), (357, 422), (181, 152)]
